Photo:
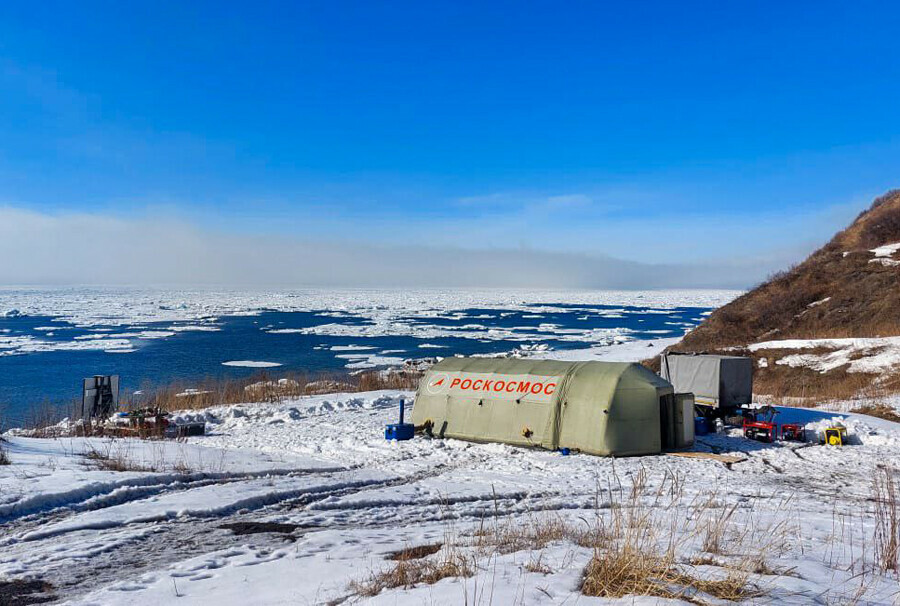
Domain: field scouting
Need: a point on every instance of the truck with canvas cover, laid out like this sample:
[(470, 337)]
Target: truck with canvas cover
[(720, 384), (602, 408)]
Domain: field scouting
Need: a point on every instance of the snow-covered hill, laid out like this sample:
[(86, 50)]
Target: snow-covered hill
[(840, 305)]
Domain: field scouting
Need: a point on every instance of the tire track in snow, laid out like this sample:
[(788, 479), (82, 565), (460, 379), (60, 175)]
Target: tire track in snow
[(98, 495), (477, 508), (170, 540), (151, 546), (201, 505)]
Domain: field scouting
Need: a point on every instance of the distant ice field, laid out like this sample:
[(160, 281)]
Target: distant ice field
[(51, 339)]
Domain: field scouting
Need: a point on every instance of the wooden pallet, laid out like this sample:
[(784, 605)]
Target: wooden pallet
[(727, 459)]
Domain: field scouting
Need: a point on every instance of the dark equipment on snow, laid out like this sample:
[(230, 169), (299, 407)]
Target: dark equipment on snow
[(100, 396), (141, 423), (151, 423), (701, 427), (401, 430), (187, 430)]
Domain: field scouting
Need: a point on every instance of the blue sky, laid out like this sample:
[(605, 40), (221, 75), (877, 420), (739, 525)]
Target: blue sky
[(746, 131)]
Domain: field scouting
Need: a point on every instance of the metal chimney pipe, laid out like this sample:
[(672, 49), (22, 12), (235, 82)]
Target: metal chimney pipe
[(401, 411)]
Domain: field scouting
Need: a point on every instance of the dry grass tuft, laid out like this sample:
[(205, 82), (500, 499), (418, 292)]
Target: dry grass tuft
[(407, 573), (110, 461), (42, 418), (617, 573), (886, 497), (509, 536), (713, 531), (116, 455), (640, 560), (635, 539), (537, 566)]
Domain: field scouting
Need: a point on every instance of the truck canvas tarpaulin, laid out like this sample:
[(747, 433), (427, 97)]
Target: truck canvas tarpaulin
[(716, 381), (603, 408)]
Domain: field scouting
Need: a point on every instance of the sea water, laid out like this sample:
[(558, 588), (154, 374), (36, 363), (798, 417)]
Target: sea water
[(43, 358)]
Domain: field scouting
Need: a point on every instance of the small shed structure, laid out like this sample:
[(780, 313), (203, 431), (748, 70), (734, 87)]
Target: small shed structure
[(602, 408)]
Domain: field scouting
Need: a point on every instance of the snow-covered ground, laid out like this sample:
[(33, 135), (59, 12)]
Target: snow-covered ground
[(884, 255), (629, 351), (320, 464), (870, 355)]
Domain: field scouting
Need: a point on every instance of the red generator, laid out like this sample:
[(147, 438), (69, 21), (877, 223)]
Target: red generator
[(793, 432), (760, 425)]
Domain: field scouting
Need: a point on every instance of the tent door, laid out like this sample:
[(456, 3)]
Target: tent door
[(667, 422)]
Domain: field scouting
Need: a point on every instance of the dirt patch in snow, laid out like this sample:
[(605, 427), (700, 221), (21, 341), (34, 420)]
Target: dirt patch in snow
[(242, 528), (878, 410), (20, 593), (414, 553), (781, 380)]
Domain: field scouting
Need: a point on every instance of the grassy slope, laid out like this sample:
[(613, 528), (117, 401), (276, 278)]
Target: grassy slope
[(863, 300)]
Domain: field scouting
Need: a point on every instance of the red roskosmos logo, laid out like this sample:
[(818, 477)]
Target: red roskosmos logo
[(494, 385), (438, 383)]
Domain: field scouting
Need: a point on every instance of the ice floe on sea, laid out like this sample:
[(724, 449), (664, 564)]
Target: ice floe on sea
[(26, 344), (87, 307), (112, 316)]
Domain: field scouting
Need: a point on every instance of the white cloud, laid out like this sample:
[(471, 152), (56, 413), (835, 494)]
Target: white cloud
[(42, 248)]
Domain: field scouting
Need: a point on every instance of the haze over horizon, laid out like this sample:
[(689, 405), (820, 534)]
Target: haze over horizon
[(450, 144)]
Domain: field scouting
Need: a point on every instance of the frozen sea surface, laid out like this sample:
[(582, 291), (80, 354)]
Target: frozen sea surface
[(51, 339)]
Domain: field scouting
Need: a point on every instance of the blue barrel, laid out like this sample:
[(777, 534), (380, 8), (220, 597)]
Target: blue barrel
[(700, 426)]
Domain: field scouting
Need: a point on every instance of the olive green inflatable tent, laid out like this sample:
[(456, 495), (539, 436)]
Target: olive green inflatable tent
[(602, 408)]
